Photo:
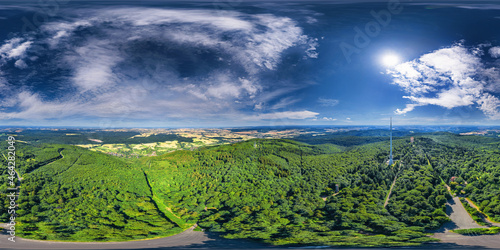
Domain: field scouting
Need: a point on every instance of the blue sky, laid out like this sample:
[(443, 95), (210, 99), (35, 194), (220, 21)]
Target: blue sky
[(229, 63)]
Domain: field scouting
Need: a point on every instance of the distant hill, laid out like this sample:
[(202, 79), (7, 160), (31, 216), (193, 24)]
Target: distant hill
[(82, 137)]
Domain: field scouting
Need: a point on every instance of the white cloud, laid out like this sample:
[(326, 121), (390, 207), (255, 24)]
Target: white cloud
[(311, 20), (250, 87), (489, 104), (9, 45), (328, 119), (285, 102), (495, 52), (255, 48), (328, 102), (480, 6), (60, 30), (471, 5), (93, 65), (449, 77), (408, 108), (222, 86), (19, 51), (21, 64), (456, 62), (152, 16), (311, 52), (264, 49), (15, 48), (451, 98), (296, 115), (258, 106), (138, 62), (224, 90), (34, 107)]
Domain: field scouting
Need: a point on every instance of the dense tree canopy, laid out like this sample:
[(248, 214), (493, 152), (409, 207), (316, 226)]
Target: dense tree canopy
[(277, 191)]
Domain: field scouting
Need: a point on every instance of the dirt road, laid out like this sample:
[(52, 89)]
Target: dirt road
[(459, 216)]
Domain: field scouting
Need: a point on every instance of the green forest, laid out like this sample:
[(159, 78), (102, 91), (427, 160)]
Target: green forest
[(80, 195), (277, 191)]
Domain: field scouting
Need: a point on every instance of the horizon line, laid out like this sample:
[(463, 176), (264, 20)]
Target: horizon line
[(236, 127)]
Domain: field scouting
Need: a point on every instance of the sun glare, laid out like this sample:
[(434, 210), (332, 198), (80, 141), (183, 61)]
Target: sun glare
[(390, 60)]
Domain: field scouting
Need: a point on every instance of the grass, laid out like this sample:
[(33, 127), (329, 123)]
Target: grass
[(487, 216), (167, 233), (478, 231), (168, 212), (335, 239)]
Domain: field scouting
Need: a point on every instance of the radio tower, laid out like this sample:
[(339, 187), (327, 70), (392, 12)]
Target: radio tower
[(390, 154)]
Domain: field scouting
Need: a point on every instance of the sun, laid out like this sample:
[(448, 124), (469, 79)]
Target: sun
[(390, 60)]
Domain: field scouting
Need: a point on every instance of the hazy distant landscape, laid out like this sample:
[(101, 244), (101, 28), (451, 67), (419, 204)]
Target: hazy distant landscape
[(130, 142), (263, 184)]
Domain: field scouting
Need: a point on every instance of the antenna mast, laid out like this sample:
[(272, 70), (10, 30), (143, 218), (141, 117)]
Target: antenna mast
[(390, 155)]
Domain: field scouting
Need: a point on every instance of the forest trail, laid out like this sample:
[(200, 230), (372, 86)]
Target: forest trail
[(166, 210), (19, 178), (449, 189), (326, 197), (392, 185), (390, 191), (56, 159), (18, 185)]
